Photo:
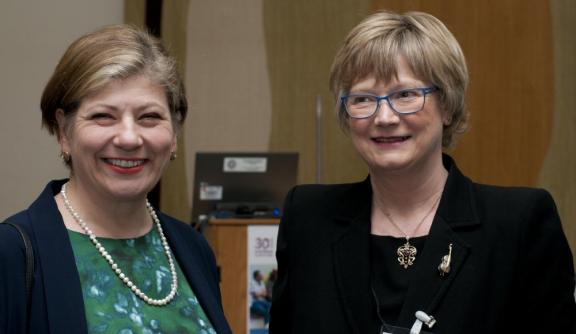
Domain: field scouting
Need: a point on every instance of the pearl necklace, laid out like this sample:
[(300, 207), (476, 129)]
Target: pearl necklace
[(114, 265)]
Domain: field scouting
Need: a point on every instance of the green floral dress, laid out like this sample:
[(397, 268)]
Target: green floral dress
[(110, 305)]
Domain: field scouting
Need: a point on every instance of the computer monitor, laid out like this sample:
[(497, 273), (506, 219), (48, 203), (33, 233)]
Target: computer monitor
[(242, 185)]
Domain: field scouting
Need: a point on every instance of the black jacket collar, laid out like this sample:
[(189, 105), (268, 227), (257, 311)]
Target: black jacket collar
[(457, 205), (457, 208)]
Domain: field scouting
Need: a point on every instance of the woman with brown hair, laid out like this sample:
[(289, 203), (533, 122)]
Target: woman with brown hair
[(105, 260)]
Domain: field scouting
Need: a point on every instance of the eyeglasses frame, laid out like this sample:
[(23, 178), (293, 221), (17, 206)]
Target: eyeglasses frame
[(424, 90)]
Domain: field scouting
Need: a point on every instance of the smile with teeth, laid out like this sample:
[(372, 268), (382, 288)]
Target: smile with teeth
[(395, 139), (125, 163)]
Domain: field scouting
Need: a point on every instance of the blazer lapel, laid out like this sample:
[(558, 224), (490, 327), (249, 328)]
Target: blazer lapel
[(427, 286), (351, 251), (456, 209), (351, 258), (191, 261), (61, 284), (64, 302)]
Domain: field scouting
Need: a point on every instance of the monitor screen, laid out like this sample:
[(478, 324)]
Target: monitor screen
[(242, 185)]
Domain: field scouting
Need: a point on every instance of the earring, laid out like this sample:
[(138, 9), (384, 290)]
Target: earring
[(65, 156), (173, 156)]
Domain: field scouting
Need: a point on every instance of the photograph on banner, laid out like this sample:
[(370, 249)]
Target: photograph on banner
[(261, 276)]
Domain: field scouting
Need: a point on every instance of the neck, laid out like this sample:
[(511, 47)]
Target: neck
[(408, 189), (407, 196), (106, 217)]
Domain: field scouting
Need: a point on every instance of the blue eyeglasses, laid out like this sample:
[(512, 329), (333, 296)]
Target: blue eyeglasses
[(405, 101)]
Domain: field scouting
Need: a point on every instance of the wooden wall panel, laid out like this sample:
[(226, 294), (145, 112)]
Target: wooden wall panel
[(508, 47), (301, 40), (174, 199), (135, 12), (559, 171), (229, 243)]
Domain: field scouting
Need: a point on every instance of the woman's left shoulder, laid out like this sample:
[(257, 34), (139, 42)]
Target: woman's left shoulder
[(166, 218), (514, 196), (180, 229), (177, 225), (517, 208), (182, 233)]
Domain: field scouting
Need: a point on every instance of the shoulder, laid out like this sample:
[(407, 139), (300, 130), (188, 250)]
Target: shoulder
[(17, 218), (182, 233), (312, 209), (323, 189), (12, 253), (511, 191), (493, 202), (515, 200), (172, 222), (327, 195), (177, 226), (528, 215), (43, 208), (9, 236)]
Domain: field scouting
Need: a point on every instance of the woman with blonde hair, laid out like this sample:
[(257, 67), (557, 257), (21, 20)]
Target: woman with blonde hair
[(417, 246)]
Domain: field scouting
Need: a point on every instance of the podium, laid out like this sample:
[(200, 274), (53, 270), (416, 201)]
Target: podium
[(228, 239)]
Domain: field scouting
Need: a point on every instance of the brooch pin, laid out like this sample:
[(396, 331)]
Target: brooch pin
[(444, 267)]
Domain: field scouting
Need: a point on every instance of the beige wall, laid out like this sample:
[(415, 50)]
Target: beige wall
[(226, 79), (34, 35)]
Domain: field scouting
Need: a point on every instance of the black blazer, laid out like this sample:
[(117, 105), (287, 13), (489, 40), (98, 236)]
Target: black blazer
[(512, 270), (57, 303)]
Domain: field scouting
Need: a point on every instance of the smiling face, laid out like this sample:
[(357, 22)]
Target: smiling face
[(120, 139), (388, 141)]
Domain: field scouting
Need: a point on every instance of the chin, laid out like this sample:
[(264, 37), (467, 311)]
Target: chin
[(388, 162), (131, 192), (388, 167)]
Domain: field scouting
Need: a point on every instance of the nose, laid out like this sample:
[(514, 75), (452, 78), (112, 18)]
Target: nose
[(128, 136), (385, 115)]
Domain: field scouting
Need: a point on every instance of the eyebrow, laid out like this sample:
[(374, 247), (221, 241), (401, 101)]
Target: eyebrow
[(396, 87), (144, 106)]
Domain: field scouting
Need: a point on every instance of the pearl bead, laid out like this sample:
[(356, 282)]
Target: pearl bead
[(114, 265)]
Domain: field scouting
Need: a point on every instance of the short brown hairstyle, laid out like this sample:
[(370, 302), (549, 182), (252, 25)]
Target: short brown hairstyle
[(373, 47), (98, 58)]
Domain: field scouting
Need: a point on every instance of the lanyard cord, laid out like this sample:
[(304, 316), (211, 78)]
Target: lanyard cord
[(383, 325), (421, 317)]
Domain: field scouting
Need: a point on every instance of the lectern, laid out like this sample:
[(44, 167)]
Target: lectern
[(228, 238)]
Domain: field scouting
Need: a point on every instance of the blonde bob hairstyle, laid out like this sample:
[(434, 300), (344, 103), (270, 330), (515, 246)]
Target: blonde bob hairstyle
[(372, 48), (112, 53)]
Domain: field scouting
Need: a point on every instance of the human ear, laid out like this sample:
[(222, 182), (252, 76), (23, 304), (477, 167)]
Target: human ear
[(62, 134), (446, 119), (174, 145)]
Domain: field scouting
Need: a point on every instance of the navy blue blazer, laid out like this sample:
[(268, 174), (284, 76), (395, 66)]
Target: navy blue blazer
[(511, 269), (57, 304)]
